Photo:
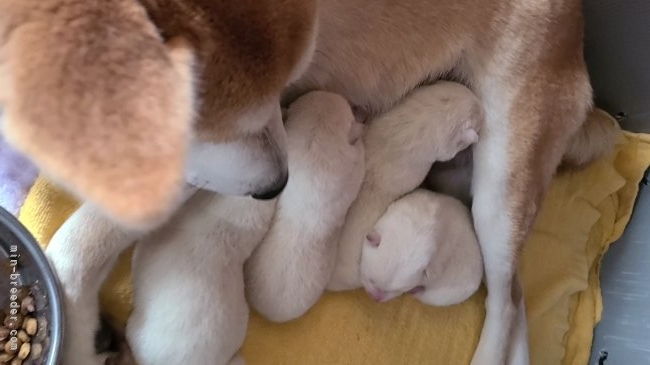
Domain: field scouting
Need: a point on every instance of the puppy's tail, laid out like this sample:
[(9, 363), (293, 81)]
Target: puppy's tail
[(595, 139)]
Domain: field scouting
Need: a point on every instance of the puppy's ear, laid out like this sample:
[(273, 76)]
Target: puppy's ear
[(373, 239), (467, 138), (100, 103)]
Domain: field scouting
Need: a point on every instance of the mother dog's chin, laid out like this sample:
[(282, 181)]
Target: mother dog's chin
[(255, 164), (237, 169)]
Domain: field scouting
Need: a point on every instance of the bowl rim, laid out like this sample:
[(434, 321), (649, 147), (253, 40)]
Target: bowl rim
[(50, 281)]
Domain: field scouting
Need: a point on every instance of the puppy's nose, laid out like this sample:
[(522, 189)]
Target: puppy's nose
[(376, 295), (274, 191)]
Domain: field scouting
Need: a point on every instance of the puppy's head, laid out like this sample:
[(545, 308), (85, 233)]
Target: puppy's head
[(322, 127), (397, 252), (326, 115), (326, 152), (107, 100)]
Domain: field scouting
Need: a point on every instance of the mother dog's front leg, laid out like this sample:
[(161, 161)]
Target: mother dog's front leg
[(528, 126), (82, 252)]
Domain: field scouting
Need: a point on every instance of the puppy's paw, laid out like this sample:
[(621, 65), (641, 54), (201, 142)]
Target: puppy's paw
[(344, 278), (356, 131), (467, 138), (460, 142)]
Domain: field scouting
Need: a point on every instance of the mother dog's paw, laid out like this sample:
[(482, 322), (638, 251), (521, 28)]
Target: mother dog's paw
[(79, 340), (71, 356)]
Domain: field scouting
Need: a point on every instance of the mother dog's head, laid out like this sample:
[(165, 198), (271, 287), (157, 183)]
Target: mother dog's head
[(122, 101)]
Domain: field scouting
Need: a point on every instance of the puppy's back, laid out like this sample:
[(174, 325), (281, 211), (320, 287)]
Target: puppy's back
[(433, 123)]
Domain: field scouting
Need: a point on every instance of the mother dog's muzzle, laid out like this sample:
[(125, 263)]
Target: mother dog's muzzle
[(254, 165)]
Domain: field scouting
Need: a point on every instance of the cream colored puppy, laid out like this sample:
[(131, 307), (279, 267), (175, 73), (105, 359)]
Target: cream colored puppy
[(188, 280), (424, 245), (288, 272), (432, 124)]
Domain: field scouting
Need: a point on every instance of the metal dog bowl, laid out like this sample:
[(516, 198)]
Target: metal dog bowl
[(21, 256)]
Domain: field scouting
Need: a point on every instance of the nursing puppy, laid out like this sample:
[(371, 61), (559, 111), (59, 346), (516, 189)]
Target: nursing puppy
[(431, 124), (95, 97), (188, 280), (424, 245), (288, 272)]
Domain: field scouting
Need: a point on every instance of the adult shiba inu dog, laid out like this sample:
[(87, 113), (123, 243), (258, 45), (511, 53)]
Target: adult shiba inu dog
[(106, 99)]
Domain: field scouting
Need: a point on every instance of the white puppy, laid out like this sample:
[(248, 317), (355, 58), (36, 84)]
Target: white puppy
[(425, 245), (288, 272), (433, 123), (189, 300)]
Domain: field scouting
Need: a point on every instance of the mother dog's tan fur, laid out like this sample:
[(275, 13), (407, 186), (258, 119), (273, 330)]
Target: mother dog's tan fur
[(523, 58), (96, 99)]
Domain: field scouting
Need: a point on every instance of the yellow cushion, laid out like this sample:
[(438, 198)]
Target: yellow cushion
[(584, 212)]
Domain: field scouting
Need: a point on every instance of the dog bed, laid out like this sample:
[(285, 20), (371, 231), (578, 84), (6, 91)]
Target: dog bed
[(584, 212)]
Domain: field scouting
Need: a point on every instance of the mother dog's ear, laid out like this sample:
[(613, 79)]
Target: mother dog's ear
[(96, 99)]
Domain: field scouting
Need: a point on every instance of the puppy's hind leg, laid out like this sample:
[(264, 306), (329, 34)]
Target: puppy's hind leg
[(528, 125)]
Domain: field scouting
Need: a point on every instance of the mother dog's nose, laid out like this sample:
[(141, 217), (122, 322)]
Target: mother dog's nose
[(274, 191)]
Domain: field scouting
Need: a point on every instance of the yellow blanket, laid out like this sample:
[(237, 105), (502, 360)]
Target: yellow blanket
[(583, 213)]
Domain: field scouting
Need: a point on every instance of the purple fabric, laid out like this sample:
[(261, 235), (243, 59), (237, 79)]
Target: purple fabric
[(17, 175)]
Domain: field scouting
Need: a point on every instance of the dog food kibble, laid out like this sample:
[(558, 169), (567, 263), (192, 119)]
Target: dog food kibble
[(37, 348), (21, 331), (24, 351), (31, 326), (23, 336), (5, 358)]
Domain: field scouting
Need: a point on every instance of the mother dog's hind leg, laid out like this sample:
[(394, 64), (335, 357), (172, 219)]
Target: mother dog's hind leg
[(530, 117)]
